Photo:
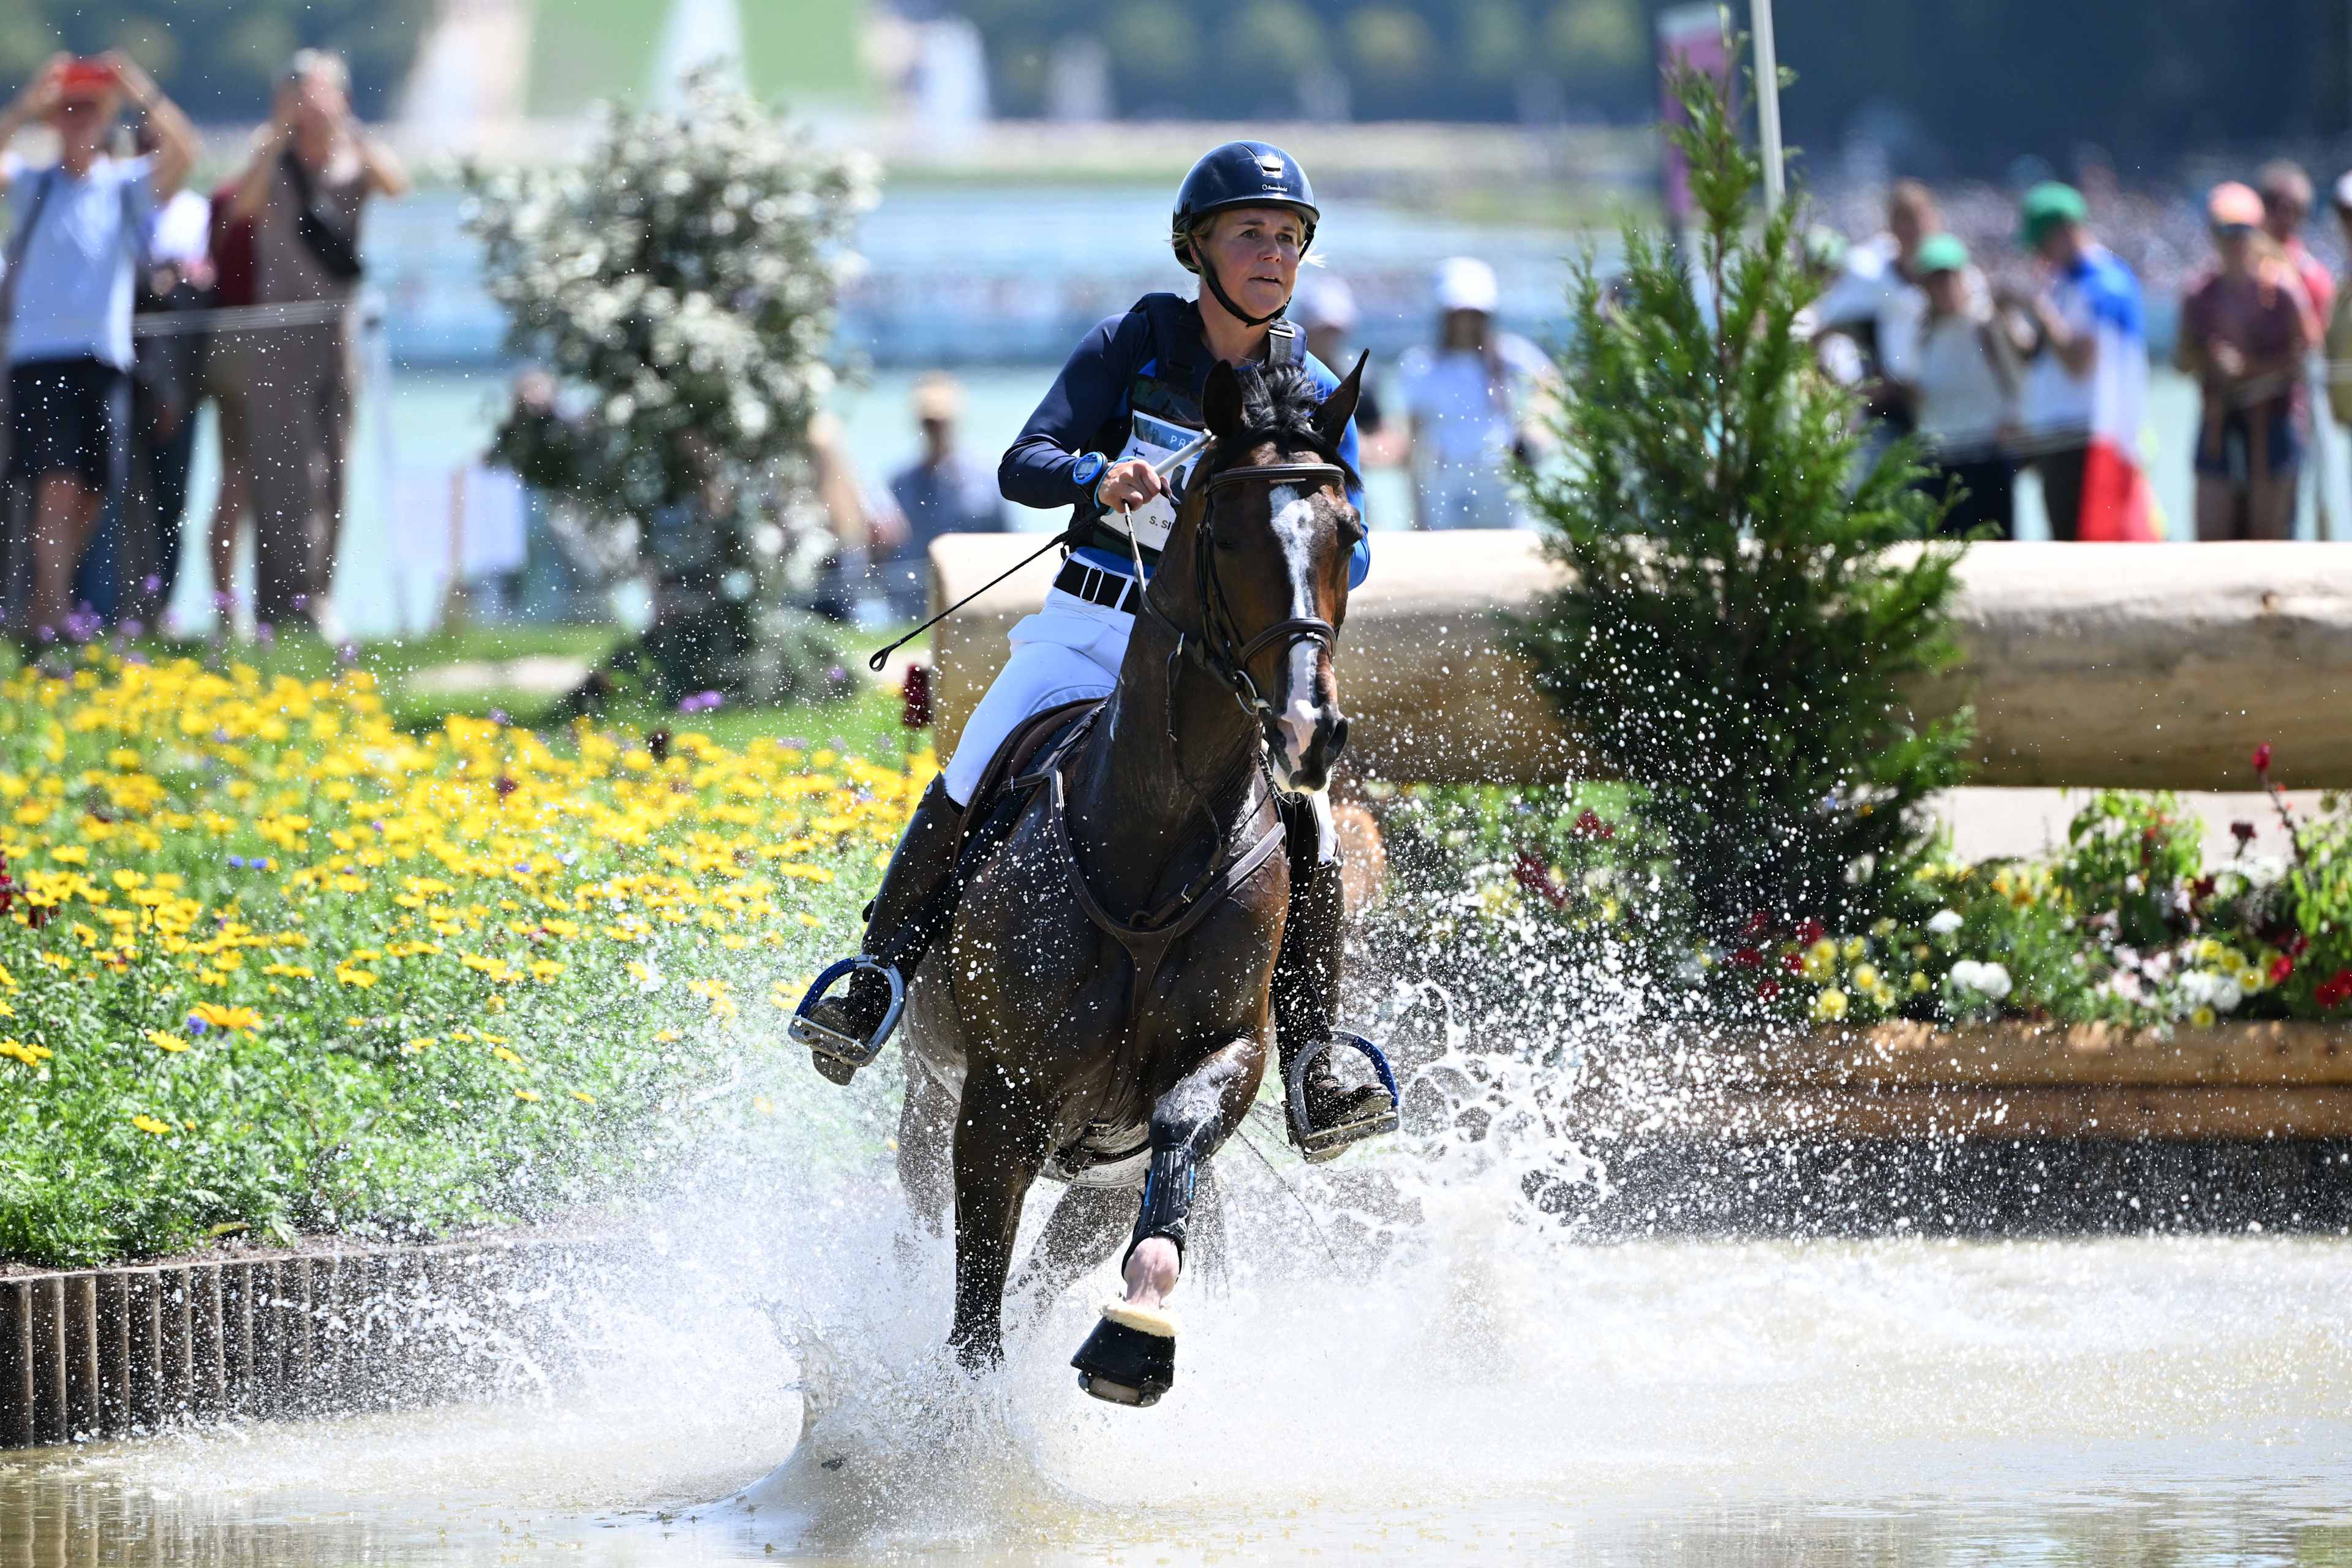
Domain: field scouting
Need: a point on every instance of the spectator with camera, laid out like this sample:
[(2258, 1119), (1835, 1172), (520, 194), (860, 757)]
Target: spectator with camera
[(73, 262)]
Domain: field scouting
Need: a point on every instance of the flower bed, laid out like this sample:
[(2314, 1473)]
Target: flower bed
[(268, 962), (2127, 926)]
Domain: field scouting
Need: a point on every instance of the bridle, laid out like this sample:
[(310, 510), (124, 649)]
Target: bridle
[(1213, 650)]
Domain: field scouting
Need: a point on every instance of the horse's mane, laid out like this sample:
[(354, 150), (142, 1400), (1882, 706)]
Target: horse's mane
[(1278, 404)]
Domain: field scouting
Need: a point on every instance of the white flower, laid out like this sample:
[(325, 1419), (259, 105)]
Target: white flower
[(1944, 922), (1988, 980), (2264, 871), (2203, 987)]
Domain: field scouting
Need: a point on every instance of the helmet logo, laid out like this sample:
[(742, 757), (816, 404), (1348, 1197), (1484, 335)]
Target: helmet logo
[(1270, 165)]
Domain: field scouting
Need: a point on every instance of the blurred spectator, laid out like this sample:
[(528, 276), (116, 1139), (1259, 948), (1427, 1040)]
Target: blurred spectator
[(1326, 307), (945, 491), (2339, 321), (81, 224), (2285, 192), (2246, 327), (2087, 382), (166, 387), (1463, 401), (311, 176), (1961, 377), (1872, 283), (228, 371)]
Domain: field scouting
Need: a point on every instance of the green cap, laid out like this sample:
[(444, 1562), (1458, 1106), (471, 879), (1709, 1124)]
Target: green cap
[(1939, 253), (2047, 206)]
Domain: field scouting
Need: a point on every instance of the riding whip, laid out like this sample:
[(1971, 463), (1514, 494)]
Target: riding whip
[(1166, 465)]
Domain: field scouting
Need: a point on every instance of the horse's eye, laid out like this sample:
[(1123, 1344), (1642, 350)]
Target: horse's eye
[(1351, 530)]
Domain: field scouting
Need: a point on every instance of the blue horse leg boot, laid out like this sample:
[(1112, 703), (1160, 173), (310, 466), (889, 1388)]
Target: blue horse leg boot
[(1325, 1115), (845, 1031), (1130, 1357)]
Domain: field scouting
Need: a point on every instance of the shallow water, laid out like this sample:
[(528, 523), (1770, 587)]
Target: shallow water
[(2165, 1400)]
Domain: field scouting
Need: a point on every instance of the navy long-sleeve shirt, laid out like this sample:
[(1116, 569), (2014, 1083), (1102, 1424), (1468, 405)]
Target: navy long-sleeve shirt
[(1087, 410)]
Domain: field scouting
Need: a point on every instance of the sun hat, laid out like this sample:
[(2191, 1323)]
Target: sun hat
[(1466, 283), (1939, 253), (1324, 301), (2233, 205), (2045, 206)]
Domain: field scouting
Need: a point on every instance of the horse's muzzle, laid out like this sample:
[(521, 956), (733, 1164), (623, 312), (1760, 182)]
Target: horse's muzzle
[(1305, 743)]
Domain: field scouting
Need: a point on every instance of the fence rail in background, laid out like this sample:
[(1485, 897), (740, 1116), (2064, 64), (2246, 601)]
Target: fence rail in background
[(103, 1352), (2095, 665)]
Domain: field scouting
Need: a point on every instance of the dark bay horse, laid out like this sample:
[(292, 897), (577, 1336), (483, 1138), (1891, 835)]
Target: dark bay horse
[(1099, 1011)]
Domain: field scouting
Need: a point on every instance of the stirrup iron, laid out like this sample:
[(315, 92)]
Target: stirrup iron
[(1319, 1144), (847, 1049)]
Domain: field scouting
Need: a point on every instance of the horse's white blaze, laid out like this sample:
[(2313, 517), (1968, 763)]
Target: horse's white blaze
[(1294, 525)]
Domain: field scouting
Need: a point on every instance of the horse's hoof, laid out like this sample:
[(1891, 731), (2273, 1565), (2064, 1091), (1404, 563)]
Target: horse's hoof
[(1130, 1358)]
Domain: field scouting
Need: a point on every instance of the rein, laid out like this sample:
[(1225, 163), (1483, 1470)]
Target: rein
[(1212, 650)]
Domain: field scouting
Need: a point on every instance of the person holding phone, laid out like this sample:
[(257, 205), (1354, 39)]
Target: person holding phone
[(312, 173), (72, 262)]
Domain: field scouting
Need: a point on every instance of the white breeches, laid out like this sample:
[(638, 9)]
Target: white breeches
[(1070, 649)]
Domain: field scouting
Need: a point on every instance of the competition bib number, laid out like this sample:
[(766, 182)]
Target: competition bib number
[(1152, 439)]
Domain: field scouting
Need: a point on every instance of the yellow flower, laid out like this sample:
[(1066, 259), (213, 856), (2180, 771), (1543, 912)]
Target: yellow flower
[(350, 976), (1854, 948), (1821, 960), (149, 1125), (422, 1043), (1830, 1005), (545, 969), (30, 1055), (1865, 977), (1918, 980), (763, 1105), (221, 1017), (526, 1094), (70, 854), (583, 1097), (506, 1055), (2202, 1017), (164, 1042), (667, 1036)]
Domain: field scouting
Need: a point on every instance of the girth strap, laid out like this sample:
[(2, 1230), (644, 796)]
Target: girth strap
[(1147, 940)]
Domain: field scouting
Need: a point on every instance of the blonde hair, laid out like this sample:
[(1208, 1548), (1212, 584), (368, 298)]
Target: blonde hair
[(308, 63)]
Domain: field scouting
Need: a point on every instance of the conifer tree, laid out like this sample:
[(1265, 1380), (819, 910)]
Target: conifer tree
[(1751, 595)]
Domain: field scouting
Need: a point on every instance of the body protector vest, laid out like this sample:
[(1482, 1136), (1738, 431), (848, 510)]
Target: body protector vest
[(1163, 415)]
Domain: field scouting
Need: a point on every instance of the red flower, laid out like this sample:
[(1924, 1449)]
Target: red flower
[(504, 786), (1766, 990), (2335, 991), (2281, 967), (1757, 923), (1794, 962), (1590, 825), (916, 710), (2263, 758), (1748, 958), (2296, 945), (2243, 832), (1528, 870), (2202, 889), (1810, 933)]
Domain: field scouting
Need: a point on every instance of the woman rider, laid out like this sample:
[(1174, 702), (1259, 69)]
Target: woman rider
[(1128, 397)]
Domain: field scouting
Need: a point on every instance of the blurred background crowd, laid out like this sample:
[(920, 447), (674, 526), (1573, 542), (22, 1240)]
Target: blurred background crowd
[(2088, 255)]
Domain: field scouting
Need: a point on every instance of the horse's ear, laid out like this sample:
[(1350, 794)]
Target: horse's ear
[(1331, 419), (1221, 402)]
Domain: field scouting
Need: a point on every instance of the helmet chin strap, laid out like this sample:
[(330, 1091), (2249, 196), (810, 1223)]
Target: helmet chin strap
[(1216, 287)]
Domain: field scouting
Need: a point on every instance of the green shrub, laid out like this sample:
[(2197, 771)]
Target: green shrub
[(1745, 607)]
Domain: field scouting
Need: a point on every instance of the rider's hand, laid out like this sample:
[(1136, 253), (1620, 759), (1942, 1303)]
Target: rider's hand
[(1128, 485), (41, 94)]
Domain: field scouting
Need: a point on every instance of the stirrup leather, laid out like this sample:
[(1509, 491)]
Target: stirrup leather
[(1321, 1144), (847, 1049)]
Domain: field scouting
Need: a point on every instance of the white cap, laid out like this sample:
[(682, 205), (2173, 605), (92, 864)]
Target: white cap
[(2344, 191), (1466, 283), (1325, 301)]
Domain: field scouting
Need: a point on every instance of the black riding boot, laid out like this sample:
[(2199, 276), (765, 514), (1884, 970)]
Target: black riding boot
[(1306, 973), (926, 853)]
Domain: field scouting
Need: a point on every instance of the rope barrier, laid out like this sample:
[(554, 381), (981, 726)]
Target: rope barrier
[(240, 318)]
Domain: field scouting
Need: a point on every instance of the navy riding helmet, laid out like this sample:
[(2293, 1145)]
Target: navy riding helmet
[(1239, 175)]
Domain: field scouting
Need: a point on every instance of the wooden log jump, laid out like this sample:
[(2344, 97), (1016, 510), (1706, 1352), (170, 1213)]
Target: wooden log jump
[(2135, 667)]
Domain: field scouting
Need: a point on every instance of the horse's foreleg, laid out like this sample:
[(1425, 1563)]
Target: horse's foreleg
[(1000, 1146), (1085, 1225), (926, 1125), (1196, 1115), (1130, 1357)]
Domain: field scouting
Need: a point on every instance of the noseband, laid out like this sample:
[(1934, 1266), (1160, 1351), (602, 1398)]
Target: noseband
[(1213, 650)]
